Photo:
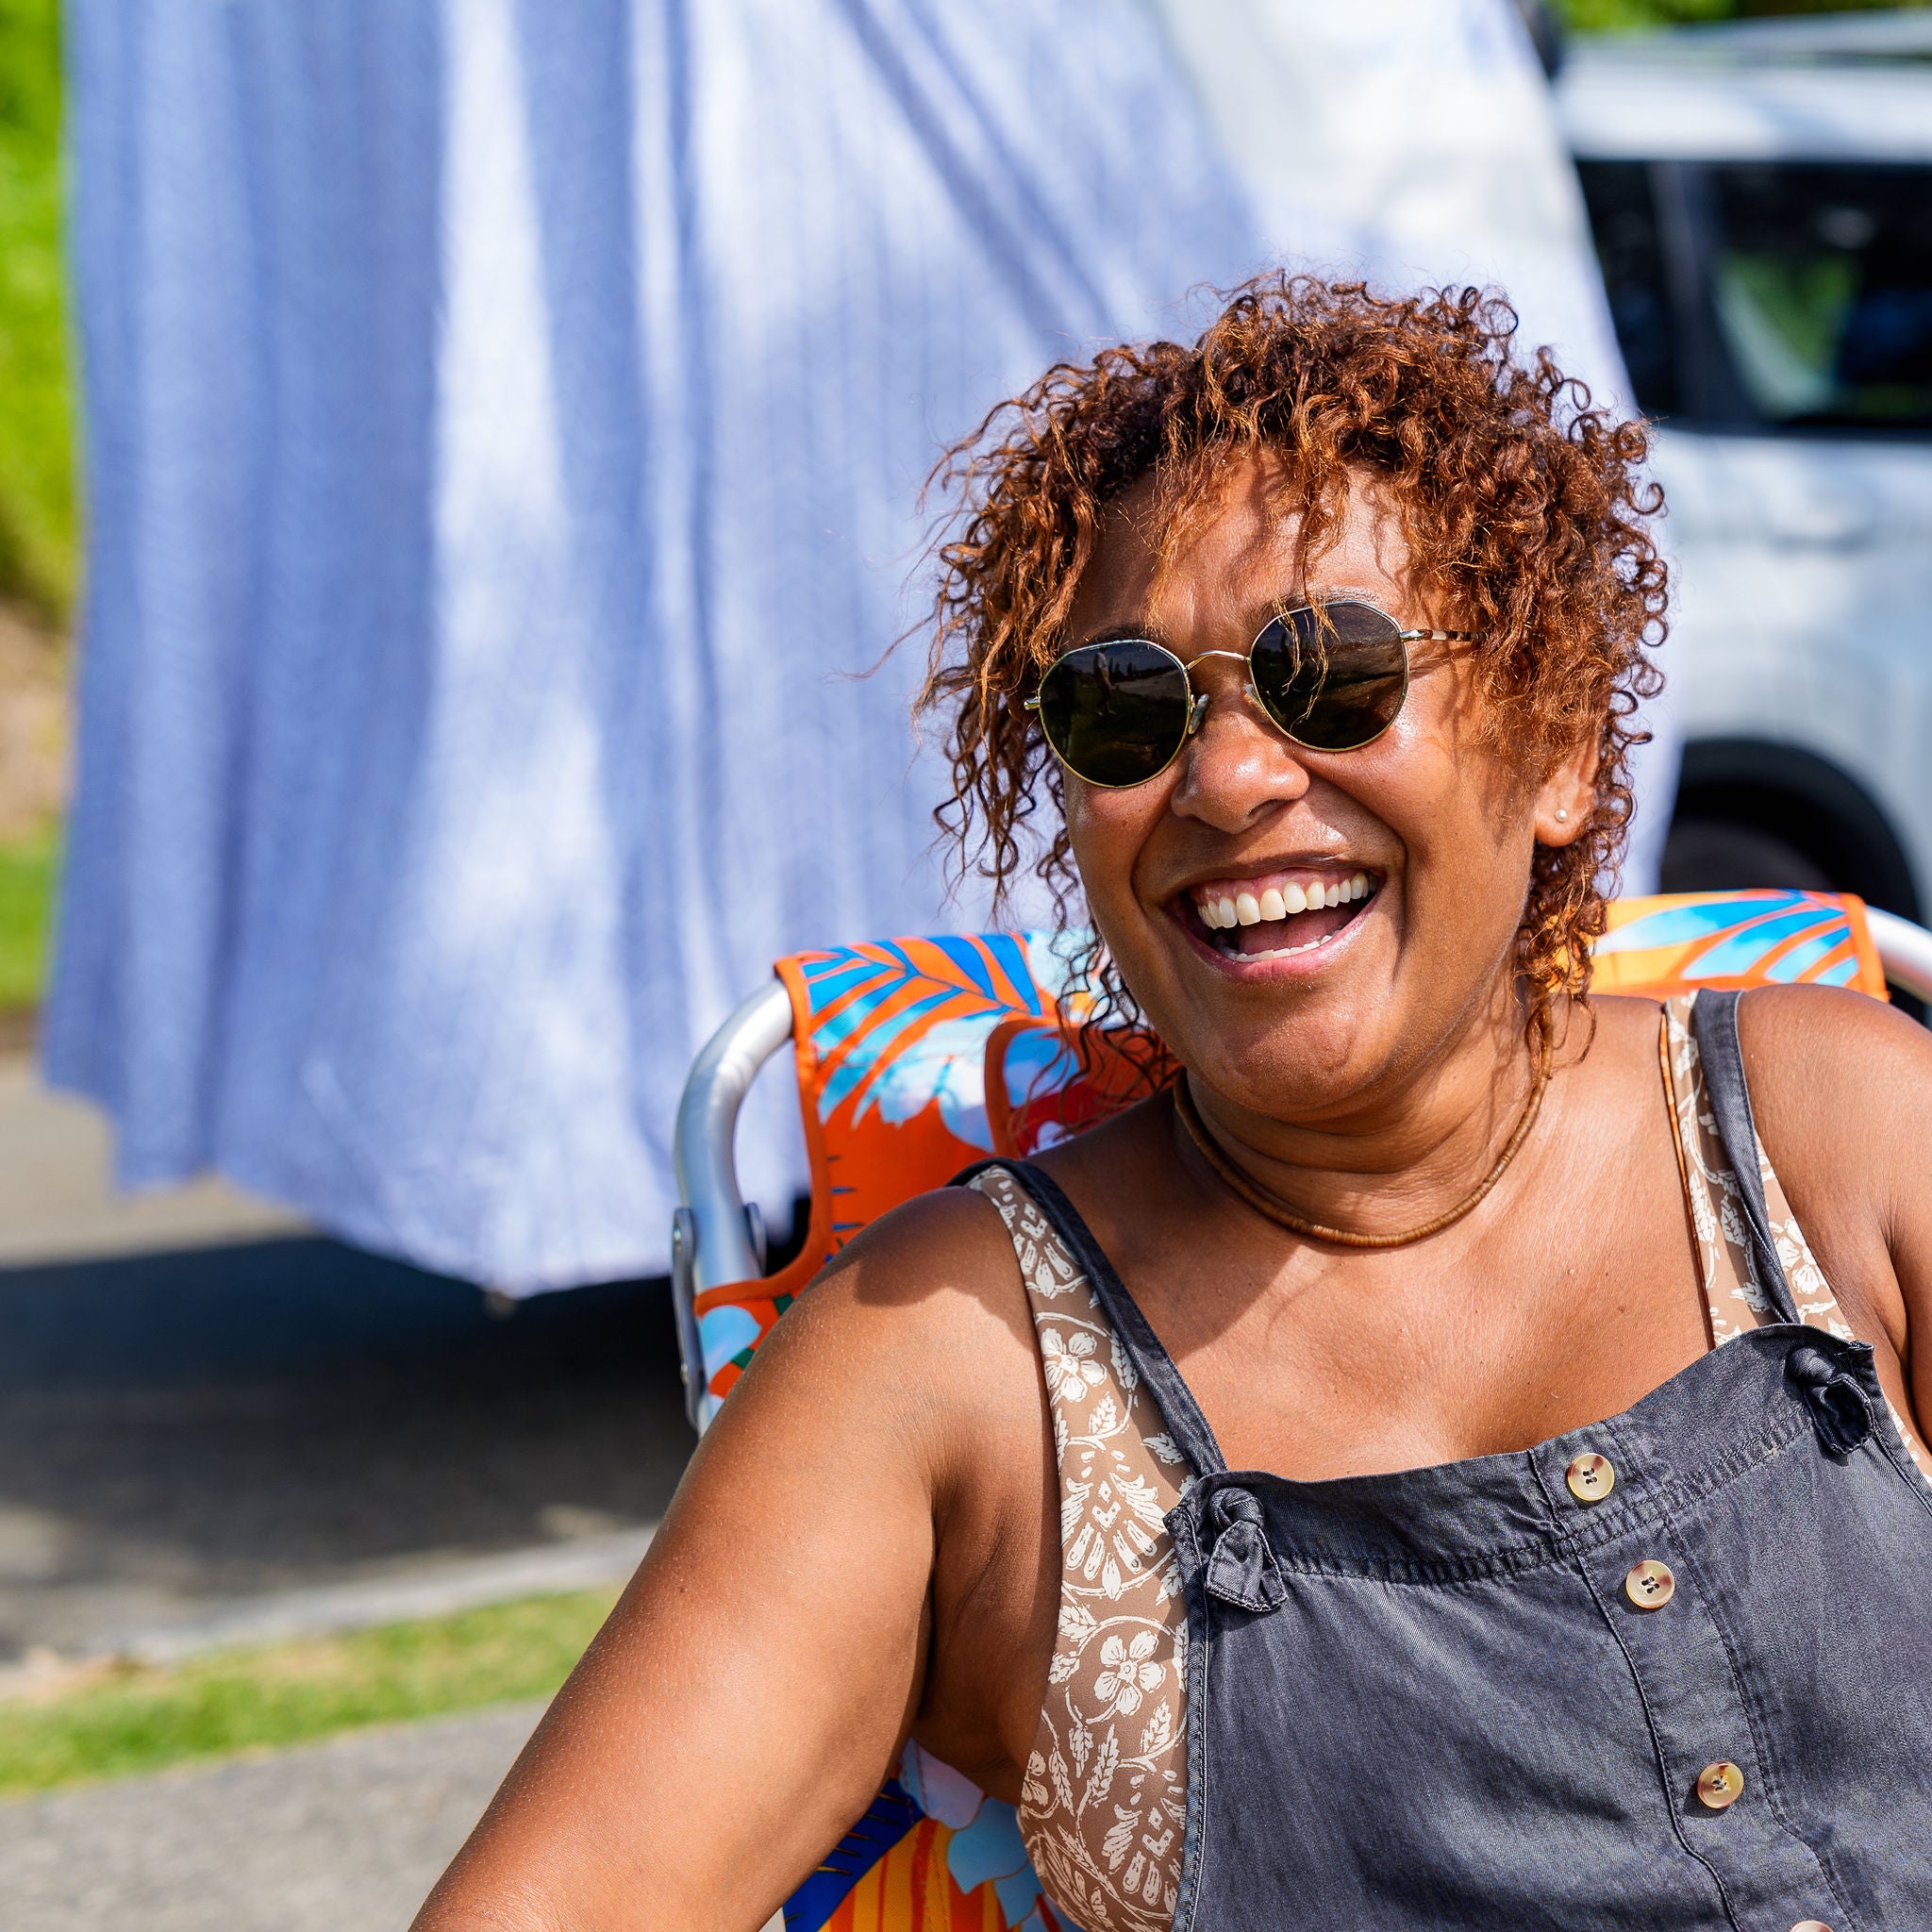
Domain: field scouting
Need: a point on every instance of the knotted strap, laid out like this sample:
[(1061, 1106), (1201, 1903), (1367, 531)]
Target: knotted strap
[(1242, 1568), (1840, 1411)]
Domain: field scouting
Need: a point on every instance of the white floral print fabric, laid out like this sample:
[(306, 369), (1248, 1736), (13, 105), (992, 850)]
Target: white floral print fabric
[(1732, 1298), (1105, 1798)]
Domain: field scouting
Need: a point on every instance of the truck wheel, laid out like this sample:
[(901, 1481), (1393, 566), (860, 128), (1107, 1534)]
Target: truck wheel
[(1709, 855), (1754, 813)]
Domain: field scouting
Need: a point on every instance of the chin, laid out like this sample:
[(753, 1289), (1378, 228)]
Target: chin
[(1264, 1030)]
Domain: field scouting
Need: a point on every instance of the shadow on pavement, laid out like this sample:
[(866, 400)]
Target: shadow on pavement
[(181, 1428)]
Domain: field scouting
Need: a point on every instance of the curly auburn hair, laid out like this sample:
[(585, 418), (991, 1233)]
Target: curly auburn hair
[(1521, 503)]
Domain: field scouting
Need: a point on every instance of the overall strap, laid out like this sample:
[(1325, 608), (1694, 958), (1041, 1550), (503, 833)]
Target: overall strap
[(1185, 1422), (1714, 1023)]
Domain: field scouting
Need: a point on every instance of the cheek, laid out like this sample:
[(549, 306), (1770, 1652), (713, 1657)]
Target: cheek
[(1441, 784), (1468, 836), (1109, 830)]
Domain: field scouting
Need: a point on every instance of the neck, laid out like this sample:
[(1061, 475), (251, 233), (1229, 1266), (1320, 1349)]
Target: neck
[(1385, 1164)]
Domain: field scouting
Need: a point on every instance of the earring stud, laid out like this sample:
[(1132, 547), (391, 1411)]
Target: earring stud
[(1562, 817)]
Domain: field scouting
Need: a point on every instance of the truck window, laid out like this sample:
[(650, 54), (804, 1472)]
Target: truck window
[(1770, 294), (1821, 280), (1624, 220)]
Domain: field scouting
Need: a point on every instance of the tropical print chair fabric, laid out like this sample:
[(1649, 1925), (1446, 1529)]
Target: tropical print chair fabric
[(934, 1854), (918, 1057), (891, 1044), (1673, 944)]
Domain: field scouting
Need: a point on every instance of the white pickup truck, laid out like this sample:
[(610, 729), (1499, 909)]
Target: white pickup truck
[(1761, 198)]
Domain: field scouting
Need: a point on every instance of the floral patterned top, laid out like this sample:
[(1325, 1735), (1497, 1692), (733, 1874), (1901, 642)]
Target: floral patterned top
[(1105, 1797), (1103, 1807)]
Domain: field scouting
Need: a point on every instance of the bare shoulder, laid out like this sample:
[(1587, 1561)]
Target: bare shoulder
[(922, 1304), (935, 1261), (778, 1642), (1618, 1025), (1841, 1092), (1835, 1077)]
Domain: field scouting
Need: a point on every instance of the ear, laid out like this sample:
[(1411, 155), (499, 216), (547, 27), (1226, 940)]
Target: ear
[(1564, 799)]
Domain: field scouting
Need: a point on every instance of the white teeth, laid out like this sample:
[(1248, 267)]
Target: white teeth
[(1288, 952), (1251, 909)]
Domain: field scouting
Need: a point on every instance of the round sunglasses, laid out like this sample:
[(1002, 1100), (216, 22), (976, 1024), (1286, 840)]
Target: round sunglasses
[(1332, 676)]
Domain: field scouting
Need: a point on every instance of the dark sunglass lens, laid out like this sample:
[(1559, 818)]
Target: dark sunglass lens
[(1116, 713), (1333, 678)]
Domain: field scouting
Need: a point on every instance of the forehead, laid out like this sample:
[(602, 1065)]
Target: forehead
[(1237, 556)]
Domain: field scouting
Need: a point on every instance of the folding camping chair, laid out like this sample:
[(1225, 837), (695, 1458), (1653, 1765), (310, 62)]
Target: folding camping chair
[(918, 1057)]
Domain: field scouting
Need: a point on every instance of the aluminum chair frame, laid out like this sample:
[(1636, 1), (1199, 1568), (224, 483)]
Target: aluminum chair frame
[(716, 1238)]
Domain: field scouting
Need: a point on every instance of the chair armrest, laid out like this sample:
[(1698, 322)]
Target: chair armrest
[(1904, 950), (714, 1239)]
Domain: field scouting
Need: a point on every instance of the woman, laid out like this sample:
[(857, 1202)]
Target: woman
[(1536, 1607)]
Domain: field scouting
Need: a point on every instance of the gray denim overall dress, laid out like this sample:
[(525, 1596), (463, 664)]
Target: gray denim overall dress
[(1670, 1670)]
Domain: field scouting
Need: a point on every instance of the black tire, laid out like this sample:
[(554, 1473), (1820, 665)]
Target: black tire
[(1755, 813), (1708, 854)]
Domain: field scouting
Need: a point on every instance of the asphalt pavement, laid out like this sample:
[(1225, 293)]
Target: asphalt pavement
[(217, 1425), (346, 1835), (204, 1405)]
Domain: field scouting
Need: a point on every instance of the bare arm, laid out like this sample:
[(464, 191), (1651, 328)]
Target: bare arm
[(751, 1688), (1841, 1088)]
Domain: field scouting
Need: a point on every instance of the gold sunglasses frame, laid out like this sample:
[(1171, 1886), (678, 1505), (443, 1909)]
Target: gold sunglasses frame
[(1198, 699)]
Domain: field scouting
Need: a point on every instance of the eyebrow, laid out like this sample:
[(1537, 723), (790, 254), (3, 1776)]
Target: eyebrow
[(1258, 617)]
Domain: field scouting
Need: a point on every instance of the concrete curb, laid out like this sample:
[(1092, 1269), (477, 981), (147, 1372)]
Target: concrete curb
[(582, 1563)]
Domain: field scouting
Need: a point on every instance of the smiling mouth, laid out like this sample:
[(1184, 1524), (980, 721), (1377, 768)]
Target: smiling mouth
[(1278, 914)]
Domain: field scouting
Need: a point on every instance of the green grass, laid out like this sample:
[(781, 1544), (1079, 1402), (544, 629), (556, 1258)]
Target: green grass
[(289, 1693), (38, 512), (27, 916), (1616, 16)]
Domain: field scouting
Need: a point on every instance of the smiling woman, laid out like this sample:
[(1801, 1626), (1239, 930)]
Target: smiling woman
[(1444, 1456), (1419, 446)]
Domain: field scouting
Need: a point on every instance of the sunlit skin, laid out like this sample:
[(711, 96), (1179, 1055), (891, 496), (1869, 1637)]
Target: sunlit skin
[(865, 1545)]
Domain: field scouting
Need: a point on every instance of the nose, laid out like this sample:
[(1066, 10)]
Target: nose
[(1238, 764)]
